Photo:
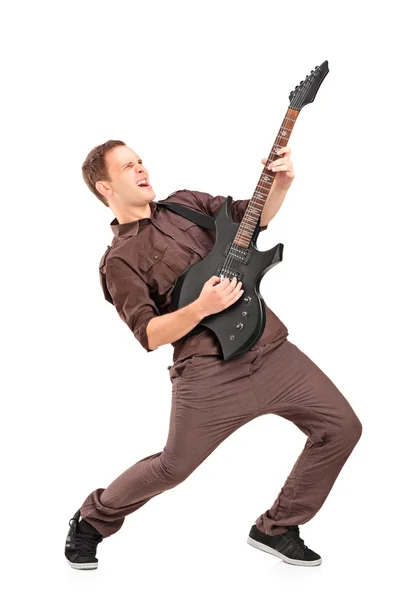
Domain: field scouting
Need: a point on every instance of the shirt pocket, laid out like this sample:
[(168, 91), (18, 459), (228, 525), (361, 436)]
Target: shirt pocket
[(159, 276), (182, 222), (149, 256), (196, 237), (191, 229), (185, 224)]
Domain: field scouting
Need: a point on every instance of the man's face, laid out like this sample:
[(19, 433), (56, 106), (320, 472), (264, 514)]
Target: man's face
[(126, 170)]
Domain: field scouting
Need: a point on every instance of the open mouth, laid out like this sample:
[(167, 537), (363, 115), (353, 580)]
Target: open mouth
[(143, 183)]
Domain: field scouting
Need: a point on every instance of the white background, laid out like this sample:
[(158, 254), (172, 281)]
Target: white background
[(199, 90)]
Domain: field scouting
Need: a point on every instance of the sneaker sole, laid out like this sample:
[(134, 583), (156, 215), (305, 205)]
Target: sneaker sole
[(290, 561), (82, 566)]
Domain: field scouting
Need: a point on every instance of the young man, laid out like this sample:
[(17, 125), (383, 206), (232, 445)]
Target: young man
[(151, 247)]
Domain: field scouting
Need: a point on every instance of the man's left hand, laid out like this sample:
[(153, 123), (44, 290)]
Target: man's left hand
[(283, 168)]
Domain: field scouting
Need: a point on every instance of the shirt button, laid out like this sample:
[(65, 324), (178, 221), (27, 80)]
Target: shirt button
[(172, 235), (156, 256)]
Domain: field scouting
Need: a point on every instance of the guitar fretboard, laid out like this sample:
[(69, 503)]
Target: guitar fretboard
[(257, 202)]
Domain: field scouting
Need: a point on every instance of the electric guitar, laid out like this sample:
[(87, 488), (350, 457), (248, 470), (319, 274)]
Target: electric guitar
[(234, 254)]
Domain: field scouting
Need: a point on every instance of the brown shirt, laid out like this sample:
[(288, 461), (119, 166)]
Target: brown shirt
[(140, 268)]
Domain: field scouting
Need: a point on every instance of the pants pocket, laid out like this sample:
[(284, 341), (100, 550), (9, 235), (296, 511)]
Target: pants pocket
[(182, 367)]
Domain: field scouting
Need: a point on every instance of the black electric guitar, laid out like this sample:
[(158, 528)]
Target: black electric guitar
[(241, 325)]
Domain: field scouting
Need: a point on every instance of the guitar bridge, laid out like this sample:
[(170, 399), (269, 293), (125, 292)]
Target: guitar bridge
[(230, 273)]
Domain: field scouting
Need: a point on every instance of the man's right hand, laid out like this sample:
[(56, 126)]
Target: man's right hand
[(217, 295)]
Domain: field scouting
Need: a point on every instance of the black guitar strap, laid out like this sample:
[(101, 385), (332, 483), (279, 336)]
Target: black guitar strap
[(196, 216), (193, 215)]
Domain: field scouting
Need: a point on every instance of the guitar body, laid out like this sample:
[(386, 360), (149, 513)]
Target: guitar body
[(241, 325)]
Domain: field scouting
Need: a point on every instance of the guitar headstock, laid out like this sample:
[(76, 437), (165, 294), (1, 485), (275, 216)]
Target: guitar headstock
[(305, 92)]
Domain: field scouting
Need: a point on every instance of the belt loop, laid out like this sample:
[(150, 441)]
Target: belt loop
[(255, 359)]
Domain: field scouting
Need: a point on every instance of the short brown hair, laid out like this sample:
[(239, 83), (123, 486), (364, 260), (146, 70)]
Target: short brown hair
[(94, 166)]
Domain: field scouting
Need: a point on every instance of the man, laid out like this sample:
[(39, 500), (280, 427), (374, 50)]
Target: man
[(151, 247)]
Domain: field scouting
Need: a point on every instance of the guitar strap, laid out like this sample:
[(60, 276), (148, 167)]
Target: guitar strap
[(196, 216), (193, 215)]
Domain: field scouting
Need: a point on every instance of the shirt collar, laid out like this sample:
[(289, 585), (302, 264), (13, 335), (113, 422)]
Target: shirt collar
[(131, 228)]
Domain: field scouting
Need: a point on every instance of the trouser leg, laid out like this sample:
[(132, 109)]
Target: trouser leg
[(288, 383), (211, 398)]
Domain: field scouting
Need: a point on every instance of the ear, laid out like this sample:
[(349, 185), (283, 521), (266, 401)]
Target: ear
[(100, 187)]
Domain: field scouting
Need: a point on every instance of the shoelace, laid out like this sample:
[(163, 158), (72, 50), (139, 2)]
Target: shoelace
[(85, 542), (294, 533)]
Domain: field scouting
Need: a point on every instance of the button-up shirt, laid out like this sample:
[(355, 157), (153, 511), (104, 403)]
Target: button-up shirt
[(139, 269)]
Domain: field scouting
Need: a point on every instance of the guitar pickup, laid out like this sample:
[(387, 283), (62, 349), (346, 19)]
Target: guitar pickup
[(238, 253)]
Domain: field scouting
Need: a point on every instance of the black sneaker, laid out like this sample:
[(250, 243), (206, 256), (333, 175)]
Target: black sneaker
[(81, 544), (288, 546)]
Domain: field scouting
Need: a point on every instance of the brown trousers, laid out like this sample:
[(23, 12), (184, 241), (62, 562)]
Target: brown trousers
[(278, 379)]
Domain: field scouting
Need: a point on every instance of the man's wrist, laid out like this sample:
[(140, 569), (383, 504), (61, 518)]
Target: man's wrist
[(197, 310)]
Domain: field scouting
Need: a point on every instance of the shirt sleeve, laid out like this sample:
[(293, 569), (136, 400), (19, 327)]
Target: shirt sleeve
[(212, 204), (131, 298)]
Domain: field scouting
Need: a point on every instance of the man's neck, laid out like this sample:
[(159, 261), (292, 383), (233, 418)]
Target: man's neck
[(129, 214)]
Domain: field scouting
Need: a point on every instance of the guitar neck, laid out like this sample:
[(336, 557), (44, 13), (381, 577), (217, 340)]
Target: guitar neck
[(256, 204)]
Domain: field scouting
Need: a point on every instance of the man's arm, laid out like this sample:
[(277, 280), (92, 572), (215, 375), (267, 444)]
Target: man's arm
[(284, 175), (274, 201), (131, 298), (172, 326)]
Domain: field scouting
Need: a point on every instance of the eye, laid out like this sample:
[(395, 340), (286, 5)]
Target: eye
[(131, 164)]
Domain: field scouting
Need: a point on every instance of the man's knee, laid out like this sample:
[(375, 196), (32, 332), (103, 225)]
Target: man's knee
[(352, 429), (176, 471)]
